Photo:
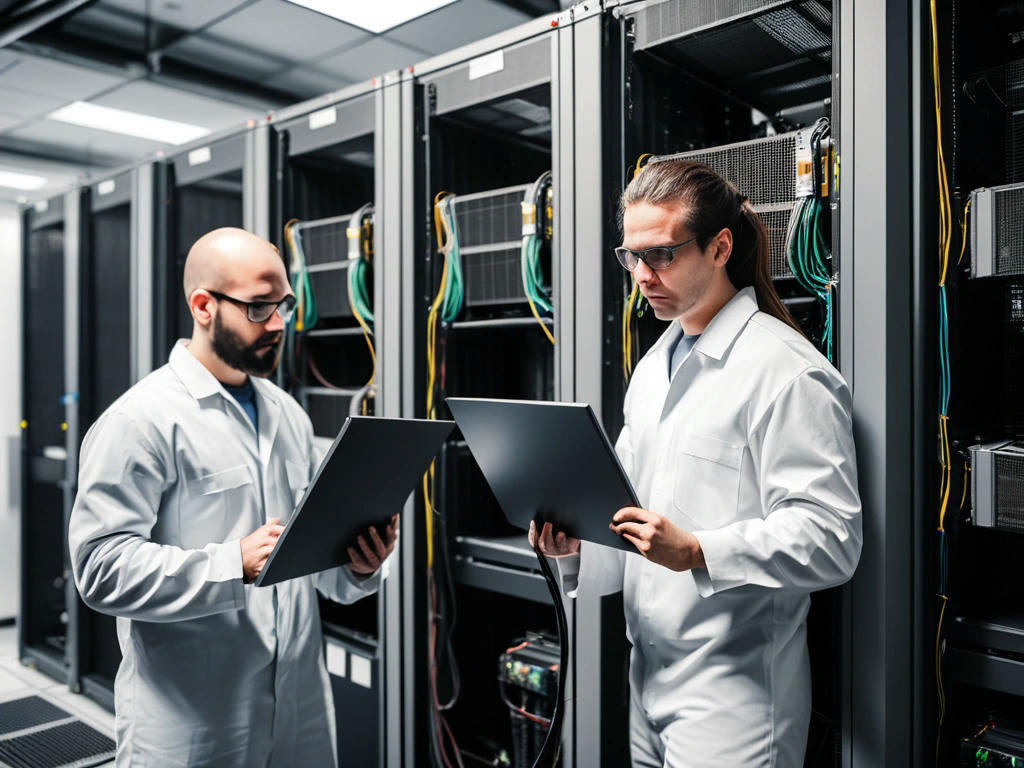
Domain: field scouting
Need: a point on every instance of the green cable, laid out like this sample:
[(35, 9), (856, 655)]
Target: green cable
[(357, 282), (310, 315), (453, 290)]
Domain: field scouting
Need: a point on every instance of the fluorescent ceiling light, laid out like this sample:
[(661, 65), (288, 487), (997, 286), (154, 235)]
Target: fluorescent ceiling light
[(373, 16), (15, 180), (128, 123)]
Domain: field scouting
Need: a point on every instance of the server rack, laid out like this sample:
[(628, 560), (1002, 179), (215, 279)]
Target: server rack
[(50, 247), (325, 207), (106, 274), (667, 78), (482, 127), (974, 557), (203, 186)]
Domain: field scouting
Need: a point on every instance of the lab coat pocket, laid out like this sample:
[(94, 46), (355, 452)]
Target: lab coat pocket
[(707, 478), (215, 501)]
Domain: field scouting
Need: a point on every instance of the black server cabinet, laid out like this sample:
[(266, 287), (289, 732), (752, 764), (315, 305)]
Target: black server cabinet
[(972, 587), (202, 191), (322, 208), (46, 583), (486, 150), (104, 375), (738, 86)]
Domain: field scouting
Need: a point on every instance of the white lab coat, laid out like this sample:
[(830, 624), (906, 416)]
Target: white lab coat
[(215, 672), (750, 447)]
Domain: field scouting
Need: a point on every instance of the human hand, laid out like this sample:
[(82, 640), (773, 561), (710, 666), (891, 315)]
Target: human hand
[(658, 539), (553, 544), (257, 546), (372, 550)]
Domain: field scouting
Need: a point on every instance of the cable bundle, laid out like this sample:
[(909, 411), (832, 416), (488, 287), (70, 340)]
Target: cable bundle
[(360, 253), (807, 251), (945, 378), (533, 237), (306, 315), (445, 308)]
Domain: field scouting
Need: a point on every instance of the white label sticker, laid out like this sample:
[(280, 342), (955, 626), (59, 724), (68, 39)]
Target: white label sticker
[(487, 65), (362, 671), (323, 118), (199, 156), (336, 657), (42, 206), (106, 187)]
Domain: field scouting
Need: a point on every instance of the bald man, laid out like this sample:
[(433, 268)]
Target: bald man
[(183, 484)]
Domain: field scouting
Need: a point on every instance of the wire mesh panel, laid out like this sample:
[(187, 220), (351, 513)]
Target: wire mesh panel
[(1009, 235), (1009, 473), (667, 19), (765, 171), (326, 241), (489, 228)]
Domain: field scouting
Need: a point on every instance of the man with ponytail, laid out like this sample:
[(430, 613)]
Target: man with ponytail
[(739, 443)]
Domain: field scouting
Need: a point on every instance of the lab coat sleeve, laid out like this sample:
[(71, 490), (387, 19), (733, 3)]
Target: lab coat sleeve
[(118, 569), (809, 537), (598, 570), (343, 586)]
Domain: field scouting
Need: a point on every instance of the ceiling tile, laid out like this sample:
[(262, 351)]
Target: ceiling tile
[(86, 141), (370, 59), (220, 55), (54, 79), (173, 104), (451, 27), (23, 105), (285, 31), (186, 14)]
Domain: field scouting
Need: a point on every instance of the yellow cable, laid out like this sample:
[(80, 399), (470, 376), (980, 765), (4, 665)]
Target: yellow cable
[(640, 163), (428, 477), (543, 327), (963, 231), (366, 331)]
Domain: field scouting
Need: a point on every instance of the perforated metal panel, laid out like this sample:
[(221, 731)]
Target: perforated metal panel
[(29, 712), (325, 242), (490, 236), (997, 231), (657, 22), (765, 171), (1009, 476)]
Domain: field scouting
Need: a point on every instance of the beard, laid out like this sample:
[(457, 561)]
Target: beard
[(257, 359)]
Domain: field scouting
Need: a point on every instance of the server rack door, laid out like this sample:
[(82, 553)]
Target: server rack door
[(43, 631), (487, 154), (326, 223), (104, 374)]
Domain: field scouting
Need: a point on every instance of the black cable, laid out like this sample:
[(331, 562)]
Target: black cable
[(549, 752)]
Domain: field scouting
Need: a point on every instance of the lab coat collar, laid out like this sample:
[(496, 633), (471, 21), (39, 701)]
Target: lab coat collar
[(202, 384), (720, 333), (196, 377), (727, 324)]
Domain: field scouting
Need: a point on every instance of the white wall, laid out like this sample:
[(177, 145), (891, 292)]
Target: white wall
[(10, 405)]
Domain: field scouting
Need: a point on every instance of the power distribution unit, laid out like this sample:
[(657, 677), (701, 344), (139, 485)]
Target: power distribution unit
[(997, 231), (768, 172), (997, 485)]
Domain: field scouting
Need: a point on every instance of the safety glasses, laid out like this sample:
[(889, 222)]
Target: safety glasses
[(260, 311), (659, 257)]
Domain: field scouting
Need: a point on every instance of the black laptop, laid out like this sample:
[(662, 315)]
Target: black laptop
[(549, 461), (365, 478)]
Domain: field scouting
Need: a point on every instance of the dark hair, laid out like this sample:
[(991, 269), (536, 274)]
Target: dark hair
[(713, 204)]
